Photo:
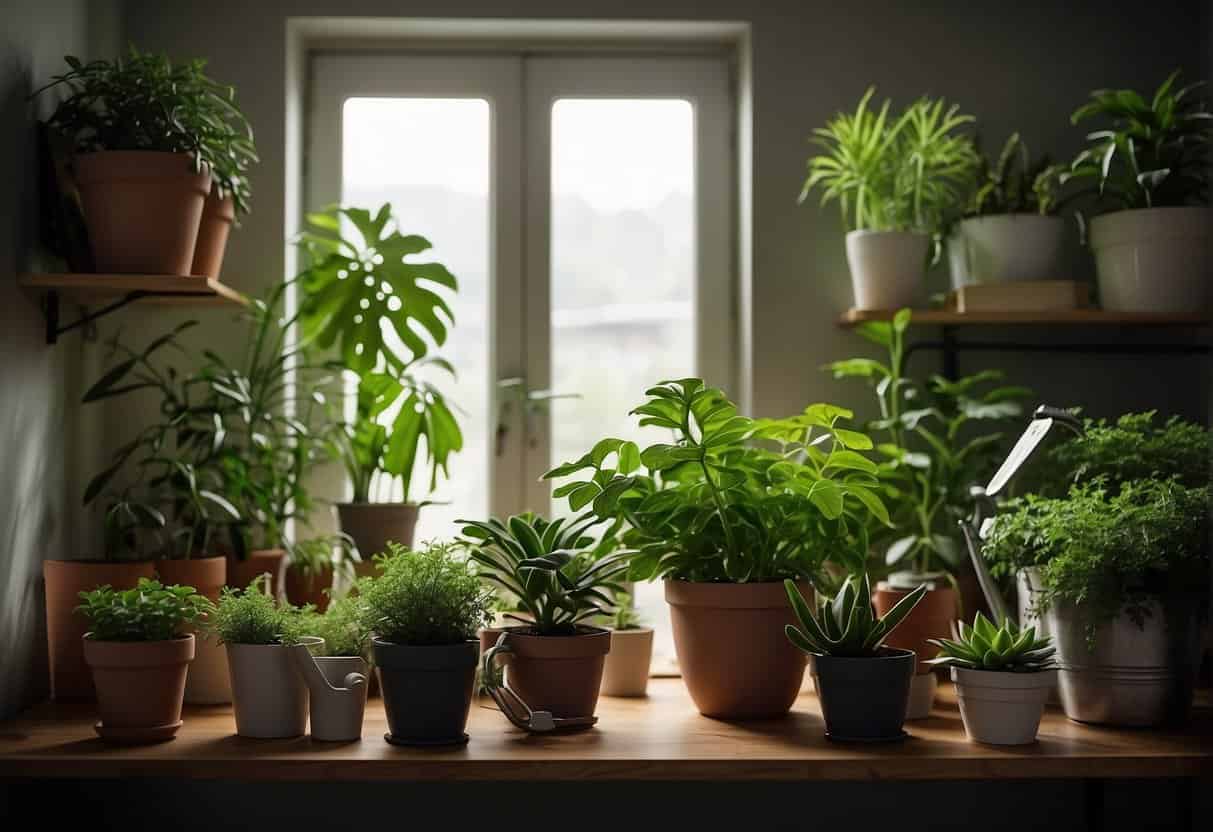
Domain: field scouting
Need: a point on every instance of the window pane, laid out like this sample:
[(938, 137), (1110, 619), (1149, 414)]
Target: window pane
[(623, 275), (429, 158)]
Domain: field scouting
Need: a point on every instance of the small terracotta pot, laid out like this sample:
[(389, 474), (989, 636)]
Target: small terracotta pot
[(560, 674), (932, 618), (627, 665), (372, 525), (208, 682), (142, 209), (140, 687), (241, 573), (269, 697), (308, 588), (65, 628), (218, 217), (735, 658)]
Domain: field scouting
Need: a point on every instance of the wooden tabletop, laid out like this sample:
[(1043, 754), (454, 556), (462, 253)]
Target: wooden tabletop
[(1044, 317), (658, 738)]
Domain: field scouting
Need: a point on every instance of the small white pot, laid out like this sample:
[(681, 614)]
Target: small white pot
[(887, 267), (1007, 247), (1153, 260), (922, 695), (268, 695), (1002, 708), (626, 672)]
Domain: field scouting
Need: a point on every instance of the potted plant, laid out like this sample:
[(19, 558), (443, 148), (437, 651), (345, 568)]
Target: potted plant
[(936, 439), (313, 566), (355, 290), (423, 609), (269, 697), (1010, 229), (139, 649), (149, 137), (626, 672), (555, 659), (894, 178), (1147, 172), (1003, 678), (724, 521), (864, 687), (337, 679)]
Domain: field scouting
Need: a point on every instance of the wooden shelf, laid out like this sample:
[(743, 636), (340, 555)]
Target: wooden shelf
[(1077, 317), (90, 289), (658, 738)]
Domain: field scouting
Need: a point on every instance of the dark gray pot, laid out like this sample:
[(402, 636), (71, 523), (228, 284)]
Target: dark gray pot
[(427, 691), (864, 700)]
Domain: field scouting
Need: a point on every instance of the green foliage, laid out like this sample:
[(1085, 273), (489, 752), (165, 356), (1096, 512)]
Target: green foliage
[(549, 566), (1154, 152), (625, 617), (935, 447), (427, 596), (712, 506), (986, 647), (149, 612), (846, 626), (314, 555), (251, 616), (342, 626), (145, 102), (380, 310), (1015, 183), (888, 173)]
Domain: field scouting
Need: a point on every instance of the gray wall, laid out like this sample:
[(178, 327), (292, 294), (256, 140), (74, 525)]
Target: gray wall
[(38, 426)]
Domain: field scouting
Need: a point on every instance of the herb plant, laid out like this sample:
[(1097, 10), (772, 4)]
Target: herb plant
[(144, 101), (251, 616), (846, 627), (149, 612), (548, 567), (427, 596), (1004, 649), (1015, 183), (342, 626), (1153, 152), (625, 617)]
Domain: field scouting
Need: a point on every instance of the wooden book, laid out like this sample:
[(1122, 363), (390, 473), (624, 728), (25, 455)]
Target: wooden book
[(1020, 296)]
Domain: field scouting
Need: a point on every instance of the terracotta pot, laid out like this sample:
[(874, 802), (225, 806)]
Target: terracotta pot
[(309, 588), (560, 674), (208, 682), (241, 573), (427, 691), (218, 217), (372, 525), (142, 209), (735, 659), (140, 687), (269, 697), (65, 628), (627, 665), (932, 618)]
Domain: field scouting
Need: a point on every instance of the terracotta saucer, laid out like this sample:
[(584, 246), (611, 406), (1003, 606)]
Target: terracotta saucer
[(138, 736)]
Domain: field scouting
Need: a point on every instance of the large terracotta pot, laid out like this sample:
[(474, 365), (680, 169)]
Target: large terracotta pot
[(560, 674), (735, 658), (208, 682), (372, 525), (140, 687), (65, 628), (142, 209), (932, 618), (308, 587), (218, 217), (241, 573)]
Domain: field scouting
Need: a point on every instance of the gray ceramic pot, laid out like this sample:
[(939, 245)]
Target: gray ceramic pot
[(268, 694), (864, 699), (427, 691)]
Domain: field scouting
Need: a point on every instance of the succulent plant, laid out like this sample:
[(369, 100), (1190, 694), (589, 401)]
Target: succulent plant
[(1004, 648), (846, 625)]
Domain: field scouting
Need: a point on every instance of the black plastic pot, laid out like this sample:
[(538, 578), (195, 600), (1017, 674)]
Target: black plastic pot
[(427, 691), (864, 700)]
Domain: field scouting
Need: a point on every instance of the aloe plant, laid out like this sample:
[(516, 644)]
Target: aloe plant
[(846, 626), (1005, 648)]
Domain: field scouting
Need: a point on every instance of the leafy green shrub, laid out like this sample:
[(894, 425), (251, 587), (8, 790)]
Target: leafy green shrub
[(427, 596), (250, 616), (1005, 648), (625, 617), (1015, 183), (342, 626), (846, 626), (148, 612)]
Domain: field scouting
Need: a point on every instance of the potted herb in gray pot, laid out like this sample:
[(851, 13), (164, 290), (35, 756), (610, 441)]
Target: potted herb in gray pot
[(337, 679), (863, 686), (424, 609)]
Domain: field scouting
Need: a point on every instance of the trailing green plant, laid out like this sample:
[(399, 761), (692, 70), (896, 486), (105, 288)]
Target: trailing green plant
[(846, 626), (143, 101), (425, 596), (549, 567), (1153, 152), (1004, 649), (364, 297), (252, 616), (893, 173), (713, 506), (1015, 183), (148, 612), (342, 626), (625, 617), (932, 450)]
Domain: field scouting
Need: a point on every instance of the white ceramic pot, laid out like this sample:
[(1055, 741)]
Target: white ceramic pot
[(268, 694), (1153, 260), (1007, 247), (626, 672), (887, 267), (1002, 708), (922, 695)]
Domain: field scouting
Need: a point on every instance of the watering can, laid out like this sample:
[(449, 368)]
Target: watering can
[(338, 687)]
